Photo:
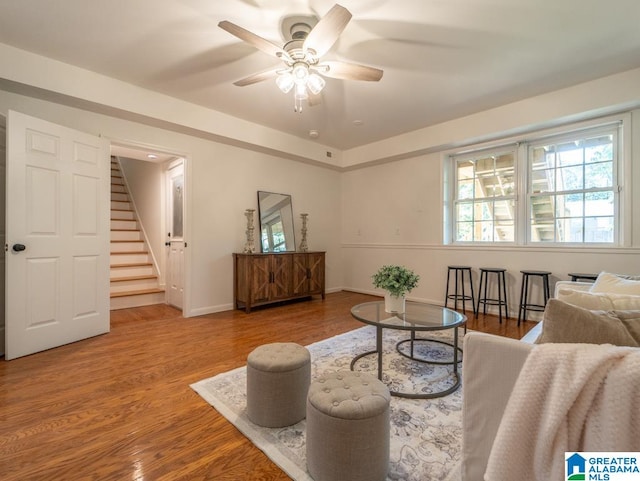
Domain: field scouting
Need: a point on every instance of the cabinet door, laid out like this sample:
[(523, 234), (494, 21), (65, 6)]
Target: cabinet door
[(281, 265), (260, 278), (300, 275), (315, 269)]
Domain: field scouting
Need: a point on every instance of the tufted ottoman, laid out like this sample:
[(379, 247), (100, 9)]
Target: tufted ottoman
[(348, 428), (278, 377)]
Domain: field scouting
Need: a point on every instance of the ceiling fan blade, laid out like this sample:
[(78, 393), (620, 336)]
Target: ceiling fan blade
[(253, 39), (327, 30), (349, 71), (258, 77)]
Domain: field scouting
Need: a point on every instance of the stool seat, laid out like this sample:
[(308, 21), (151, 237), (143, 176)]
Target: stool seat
[(278, 378), (348, 427), (576, 276), (501, 300), (525, 304)]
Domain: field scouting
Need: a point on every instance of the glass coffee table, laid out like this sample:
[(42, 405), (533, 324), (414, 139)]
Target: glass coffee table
[(417, 317)]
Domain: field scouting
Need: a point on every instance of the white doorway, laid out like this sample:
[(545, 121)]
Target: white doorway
[(57, 236), (175, 243), (155, 171)]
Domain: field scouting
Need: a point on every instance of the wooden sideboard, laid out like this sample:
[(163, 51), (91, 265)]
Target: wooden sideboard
[(260, 279)]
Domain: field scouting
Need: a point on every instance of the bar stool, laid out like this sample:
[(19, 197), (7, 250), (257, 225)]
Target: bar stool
[(525, 305), (581, 276), (501, 300), (459, 292)]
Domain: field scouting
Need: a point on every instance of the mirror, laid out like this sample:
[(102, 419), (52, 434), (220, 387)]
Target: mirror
[(276, 222)]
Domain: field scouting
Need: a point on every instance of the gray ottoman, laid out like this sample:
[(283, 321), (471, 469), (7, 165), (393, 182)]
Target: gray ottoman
[(348, 428), (278, 377)]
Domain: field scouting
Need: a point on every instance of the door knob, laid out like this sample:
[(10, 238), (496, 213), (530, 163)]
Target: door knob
[(18, 247)]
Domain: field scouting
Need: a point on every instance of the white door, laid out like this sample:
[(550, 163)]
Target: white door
[(57, 214), (3, 183), (175, 235)]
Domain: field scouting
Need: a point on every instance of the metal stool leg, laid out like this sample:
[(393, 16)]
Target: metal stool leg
[(500, 284), (446, 294), (473, 299), (520, 307), (506, 300)]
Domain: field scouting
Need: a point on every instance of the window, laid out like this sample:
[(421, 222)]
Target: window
[(485, 197), (571, 190), (553, 190)]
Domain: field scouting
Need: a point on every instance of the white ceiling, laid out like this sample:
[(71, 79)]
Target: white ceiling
[(442, 59)]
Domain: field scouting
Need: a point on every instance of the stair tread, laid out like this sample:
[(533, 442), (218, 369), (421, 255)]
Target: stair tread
[(133, 278), (129, 252), (125, 230), (137, 292), (117, 240), (133, 264)]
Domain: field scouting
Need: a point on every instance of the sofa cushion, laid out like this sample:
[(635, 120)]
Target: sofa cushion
[(615, 284), (563, 322), (586, 300), (599, 300)]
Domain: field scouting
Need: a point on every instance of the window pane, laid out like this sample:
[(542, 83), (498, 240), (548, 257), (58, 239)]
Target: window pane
[(484, 231), (570, 205), (599, 149), (465, 212), (542, 181), (465, 189), (464, 231), (598, 175), (570, 154), (465, 170), (599, 229), (599, 204), (542, 207), (569, 230), (570, 178), (505, 231)]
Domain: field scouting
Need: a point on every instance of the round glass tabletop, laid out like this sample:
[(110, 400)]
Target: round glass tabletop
[(417, 316)]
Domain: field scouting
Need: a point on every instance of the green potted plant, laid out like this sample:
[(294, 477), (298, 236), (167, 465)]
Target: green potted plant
[(397, 281)]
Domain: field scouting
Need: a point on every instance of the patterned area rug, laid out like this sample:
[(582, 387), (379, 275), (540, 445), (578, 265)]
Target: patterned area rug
[(426, 435)]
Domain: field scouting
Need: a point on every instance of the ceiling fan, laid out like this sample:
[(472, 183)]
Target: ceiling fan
[(303, 70)]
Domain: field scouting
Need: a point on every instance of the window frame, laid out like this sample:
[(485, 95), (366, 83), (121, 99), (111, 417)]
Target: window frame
[(607, 129), (619, 125)]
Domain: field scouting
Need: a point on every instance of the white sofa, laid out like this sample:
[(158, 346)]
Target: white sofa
[(490, 369)]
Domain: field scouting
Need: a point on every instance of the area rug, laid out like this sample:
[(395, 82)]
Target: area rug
[(426, 435)]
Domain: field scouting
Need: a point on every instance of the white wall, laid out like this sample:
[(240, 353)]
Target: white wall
[(224, 182), (145, 181)]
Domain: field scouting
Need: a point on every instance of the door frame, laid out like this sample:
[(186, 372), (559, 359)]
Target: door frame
[(186, 159)]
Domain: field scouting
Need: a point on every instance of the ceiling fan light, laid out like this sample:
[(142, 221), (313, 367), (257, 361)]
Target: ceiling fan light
[(300, 72), (285, 82), (301, 92), (315, 83)]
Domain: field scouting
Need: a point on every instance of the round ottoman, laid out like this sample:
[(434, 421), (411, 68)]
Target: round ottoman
[(278, 377), (348, 428)]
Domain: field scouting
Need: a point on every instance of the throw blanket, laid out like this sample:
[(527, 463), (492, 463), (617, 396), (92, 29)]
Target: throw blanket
[(568, 397)]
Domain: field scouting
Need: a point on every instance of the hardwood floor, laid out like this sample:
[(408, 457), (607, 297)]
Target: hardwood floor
[(119, 406)]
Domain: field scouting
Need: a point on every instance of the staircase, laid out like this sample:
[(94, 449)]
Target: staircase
[(134, 281)]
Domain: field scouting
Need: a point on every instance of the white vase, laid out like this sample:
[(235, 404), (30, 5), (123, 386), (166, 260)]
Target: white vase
[(393, 304)]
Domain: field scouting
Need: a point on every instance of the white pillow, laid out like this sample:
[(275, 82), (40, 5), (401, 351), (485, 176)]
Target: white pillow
[(623, 302), (586, 300), (613, 284)]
